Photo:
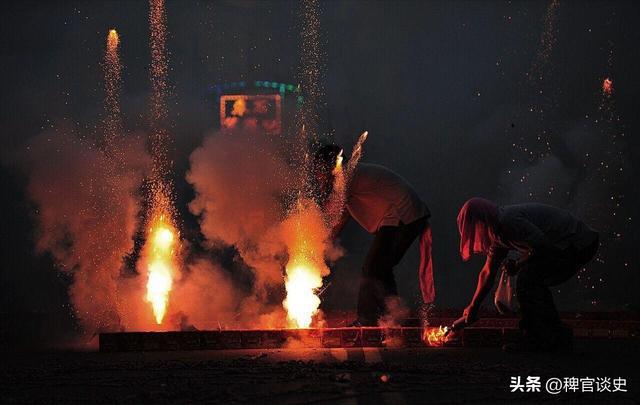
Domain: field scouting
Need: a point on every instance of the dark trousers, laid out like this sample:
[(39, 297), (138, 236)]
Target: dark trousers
[(377, 282), (540, 319)]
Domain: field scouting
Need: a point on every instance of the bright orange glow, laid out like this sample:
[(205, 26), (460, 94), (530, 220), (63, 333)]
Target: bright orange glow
[(339, 160), (304, 233), (356, 154), (112, 79), (112, 39), (302, 302), (163, 238), (435, 336), (239, 107), (607, 86), (161, 265)]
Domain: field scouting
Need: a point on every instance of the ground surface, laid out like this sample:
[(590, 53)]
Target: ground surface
[(351, 376)]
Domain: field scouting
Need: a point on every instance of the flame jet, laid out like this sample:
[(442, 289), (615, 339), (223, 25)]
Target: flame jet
[(161, 246)]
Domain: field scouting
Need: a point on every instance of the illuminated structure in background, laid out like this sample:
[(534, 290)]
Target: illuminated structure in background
[(252, 112), (265, 105)]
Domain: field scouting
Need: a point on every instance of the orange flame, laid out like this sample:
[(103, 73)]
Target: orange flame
[(113, 39), (161, 258), (305, 233), (435, 336), (356, 154)]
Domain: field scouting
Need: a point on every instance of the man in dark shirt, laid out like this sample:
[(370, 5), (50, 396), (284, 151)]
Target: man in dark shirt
[(553, 246)]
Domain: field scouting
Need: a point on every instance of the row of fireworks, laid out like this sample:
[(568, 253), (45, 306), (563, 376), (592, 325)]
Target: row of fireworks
[(161, 252)]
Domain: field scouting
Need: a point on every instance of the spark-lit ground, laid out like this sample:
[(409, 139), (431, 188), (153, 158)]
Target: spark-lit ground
[(429, 375)]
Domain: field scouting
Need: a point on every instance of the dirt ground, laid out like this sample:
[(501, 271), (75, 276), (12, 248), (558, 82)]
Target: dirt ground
[(349, 376)]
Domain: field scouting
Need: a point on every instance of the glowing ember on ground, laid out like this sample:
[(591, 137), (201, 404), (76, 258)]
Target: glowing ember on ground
[(161, 259), (607, 86), (435, 336)]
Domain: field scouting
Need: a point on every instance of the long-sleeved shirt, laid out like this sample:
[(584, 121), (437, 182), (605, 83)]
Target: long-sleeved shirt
[(529, 227), (377, 197)]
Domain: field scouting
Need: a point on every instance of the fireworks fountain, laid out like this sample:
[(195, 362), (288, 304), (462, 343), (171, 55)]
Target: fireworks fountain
[(162, 238), (112, 83)]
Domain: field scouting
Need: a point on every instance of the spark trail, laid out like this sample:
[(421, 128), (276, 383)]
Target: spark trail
[(112, 84), (162, 239)]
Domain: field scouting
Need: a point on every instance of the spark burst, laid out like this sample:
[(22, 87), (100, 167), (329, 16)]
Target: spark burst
[(305, 267), (112, 82), (160, 259)]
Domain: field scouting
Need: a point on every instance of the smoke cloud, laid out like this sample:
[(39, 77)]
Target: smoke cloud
[(87, 215)]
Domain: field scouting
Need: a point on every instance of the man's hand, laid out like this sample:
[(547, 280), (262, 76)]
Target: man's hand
[(470, 314)]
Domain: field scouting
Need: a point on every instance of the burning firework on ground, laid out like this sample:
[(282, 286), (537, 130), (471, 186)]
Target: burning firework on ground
[(162, 238), (305, 235), (161, 255), (435, 336)]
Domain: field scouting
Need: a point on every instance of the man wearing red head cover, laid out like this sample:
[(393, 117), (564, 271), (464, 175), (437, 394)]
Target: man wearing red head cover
[(386, 205), (553, 246)]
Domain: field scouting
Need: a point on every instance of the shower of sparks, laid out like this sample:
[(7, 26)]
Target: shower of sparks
[(310, 73), (310, 79), (534, 145), (356, 154), (161, 261), (305, 267), (341, 177), (112, 68), (548, 40)]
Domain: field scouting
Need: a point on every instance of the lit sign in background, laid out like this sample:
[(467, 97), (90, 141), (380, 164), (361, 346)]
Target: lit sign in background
[(251, 112)]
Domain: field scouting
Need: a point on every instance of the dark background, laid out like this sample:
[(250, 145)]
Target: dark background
[(441, 87)]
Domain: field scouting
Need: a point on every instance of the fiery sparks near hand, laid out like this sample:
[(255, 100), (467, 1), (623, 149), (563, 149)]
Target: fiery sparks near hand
[(161, 264), (435, 336)]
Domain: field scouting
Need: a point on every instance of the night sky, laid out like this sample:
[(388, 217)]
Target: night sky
[(442, 87)]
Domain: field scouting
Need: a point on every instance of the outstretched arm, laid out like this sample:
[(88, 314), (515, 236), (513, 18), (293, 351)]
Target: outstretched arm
[(486, 279)]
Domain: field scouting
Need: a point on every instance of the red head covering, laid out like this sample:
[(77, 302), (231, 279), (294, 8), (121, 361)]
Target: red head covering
[(476, 223)]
